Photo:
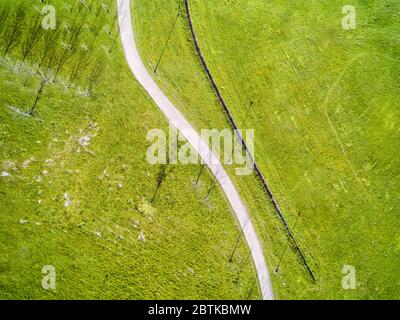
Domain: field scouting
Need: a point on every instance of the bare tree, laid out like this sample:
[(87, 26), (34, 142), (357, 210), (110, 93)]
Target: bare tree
[(91, 5), (80, 7), (4, 14), (114, 41), (109, 4), (199, 175), (251, 290), (213, 184), (96, 73), (14, 31), (162, 174), (63, 56), (286, 245), (51, 61), (247, 113), (114, 20), (39, 93), (77, 30), (243, 265), (33, 36), (95, 28), (46, 76), (237, 242), (50, 42), (73, 6), (99, 10), (80, 65)]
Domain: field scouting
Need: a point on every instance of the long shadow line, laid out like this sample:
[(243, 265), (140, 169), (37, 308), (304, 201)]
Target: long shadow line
[(256, 167)]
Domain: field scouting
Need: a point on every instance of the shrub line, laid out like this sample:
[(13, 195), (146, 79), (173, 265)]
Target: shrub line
[(233, 123)]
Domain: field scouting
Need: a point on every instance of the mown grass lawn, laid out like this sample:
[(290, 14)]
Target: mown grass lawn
[(325, 112), (75, 187)]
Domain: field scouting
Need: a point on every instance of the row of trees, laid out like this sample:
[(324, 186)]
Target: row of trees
[(70, 50), (162, 175)]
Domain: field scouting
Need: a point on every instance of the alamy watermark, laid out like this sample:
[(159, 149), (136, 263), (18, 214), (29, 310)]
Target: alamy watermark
[(49, 20), (212, 146), (49, 279), (349, 281), (349, 20)]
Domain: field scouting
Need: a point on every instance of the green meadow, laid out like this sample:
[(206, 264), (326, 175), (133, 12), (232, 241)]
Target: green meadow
[(324, 103), (77, 193), (75, 186)]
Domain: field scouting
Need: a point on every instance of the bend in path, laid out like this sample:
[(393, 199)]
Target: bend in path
[(178, 121)]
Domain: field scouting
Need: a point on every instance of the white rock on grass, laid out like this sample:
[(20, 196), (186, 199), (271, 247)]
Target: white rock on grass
[(135, 224), (49, 162), (25, 164), (82, 92), (5, 174), (22, 221), (141, 236), (98, 233), (67, 202), (10, 164), (84, 141)]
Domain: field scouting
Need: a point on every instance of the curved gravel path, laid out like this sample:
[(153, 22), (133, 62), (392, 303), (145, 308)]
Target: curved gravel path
[(178, 120)]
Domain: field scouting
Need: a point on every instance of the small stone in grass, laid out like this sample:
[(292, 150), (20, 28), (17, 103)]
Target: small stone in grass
[(141, 236), (25, 164), (5, 174), (135, 224), (22, 221), (98, 233), (67, 202), (49, 162)]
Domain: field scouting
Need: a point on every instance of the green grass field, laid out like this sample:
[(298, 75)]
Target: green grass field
[(75, 188), (325, 112)]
